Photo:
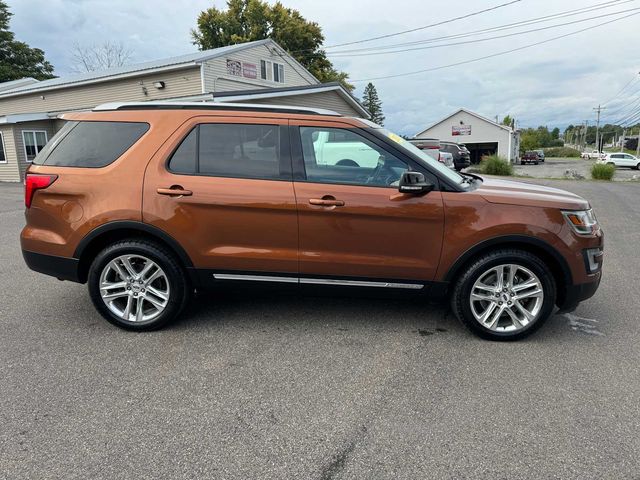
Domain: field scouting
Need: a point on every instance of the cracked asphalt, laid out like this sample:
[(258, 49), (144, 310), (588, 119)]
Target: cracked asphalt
[(277, 386)]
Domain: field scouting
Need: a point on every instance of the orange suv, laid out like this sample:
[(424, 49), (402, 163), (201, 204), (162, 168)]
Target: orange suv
[(148, 202)]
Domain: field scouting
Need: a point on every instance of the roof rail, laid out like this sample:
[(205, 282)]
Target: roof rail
[(247, 107)]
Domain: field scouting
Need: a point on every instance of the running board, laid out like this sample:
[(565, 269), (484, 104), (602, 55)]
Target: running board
[(317, 281)]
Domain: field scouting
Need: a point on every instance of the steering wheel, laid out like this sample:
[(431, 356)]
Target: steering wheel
[(381, 169)]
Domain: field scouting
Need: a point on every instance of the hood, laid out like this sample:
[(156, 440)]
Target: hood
[(527, 194)]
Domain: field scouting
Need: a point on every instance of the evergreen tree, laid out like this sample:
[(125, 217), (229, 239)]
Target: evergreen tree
[(372, 103), (17, 59)]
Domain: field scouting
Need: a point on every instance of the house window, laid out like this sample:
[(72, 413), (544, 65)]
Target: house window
[(278, 72), (265, 70), (3, 158), (34, 141)]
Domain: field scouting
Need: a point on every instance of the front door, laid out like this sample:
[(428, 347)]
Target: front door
[(222, 188), (353, 222)]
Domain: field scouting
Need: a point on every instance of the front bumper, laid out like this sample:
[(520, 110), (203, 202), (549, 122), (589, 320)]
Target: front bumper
[(575, 294), (62, 268)]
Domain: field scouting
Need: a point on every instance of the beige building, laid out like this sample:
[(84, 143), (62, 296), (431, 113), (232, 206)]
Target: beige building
[(254, 72)]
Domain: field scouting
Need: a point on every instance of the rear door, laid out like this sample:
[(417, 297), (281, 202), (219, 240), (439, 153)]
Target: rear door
[(222, 187), (353, 222)]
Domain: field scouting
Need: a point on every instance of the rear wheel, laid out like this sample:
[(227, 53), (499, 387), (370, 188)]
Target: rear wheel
[(504, 295), (137, 285), (638, 166)]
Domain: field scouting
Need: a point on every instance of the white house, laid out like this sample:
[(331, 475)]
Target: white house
[(480, 135), (256, 72)]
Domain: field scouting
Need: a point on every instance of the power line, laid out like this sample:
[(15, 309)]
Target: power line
[(485, 39), (432, 69), (388, 35), (508, 26), (622, 89)]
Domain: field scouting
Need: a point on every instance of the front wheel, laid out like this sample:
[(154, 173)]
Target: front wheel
[(638, 166), (137, 285), (504, 295)]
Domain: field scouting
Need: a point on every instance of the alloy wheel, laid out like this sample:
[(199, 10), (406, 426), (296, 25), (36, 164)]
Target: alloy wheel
[(506, 298), (134, 288)]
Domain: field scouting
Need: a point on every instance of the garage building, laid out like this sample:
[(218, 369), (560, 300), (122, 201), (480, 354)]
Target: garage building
[(480, 135), (252, 72)]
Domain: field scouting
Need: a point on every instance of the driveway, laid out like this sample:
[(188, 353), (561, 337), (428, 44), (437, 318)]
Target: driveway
[(275, 387), (556, 168)]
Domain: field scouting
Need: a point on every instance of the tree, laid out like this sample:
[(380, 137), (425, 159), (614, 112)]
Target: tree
[(99, 57), (507, 121), (17, 59), (249, 20), (555, 133), (372, 103)]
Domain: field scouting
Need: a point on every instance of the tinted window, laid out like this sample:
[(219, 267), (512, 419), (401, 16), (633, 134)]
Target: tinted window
[(241, 151), (184, 158), (92, 144), (353, 160)]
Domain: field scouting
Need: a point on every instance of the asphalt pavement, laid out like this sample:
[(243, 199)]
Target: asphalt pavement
[(275, 386), (557, 167)]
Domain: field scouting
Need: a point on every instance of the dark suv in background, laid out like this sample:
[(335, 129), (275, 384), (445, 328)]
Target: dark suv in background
[(461, 156)]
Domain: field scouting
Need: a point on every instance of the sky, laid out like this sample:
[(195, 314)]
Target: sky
[(555, 83)]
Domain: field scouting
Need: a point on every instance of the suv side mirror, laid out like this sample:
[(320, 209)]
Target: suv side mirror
[(414, 182)]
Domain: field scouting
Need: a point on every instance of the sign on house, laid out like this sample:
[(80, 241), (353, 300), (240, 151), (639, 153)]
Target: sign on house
[(242, 69), (457, 130)]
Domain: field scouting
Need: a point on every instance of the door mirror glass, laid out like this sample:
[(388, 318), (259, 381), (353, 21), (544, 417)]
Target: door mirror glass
[(414, 182)]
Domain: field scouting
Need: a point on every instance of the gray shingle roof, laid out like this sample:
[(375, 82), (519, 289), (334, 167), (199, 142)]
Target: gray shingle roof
[(190, 58)]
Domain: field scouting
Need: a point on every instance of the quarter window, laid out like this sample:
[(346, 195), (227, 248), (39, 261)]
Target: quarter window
[(231, 150), (34, 142), (335, 155)]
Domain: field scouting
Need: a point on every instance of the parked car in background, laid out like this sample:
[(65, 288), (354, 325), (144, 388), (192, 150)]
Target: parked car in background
[(430, 146), (540, 155), (461, 155), (592, 154), (447, 159), (621, 160), (530, 157), (148, 202)]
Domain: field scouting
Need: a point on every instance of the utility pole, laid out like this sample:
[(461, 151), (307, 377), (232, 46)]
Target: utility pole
[(624, 135), (599, 109), (638, 145)]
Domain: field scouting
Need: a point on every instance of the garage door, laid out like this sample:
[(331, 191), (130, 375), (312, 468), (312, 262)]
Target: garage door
[(479, 150)]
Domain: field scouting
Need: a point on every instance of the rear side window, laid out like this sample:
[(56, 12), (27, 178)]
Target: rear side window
[(230, 150), (91, 144)]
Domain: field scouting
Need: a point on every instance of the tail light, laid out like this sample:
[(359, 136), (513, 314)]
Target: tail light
[(33, 182)]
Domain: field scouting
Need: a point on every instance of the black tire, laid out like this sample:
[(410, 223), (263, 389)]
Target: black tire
[(179, 288), (638, 166), (460, 298), (347, 162)]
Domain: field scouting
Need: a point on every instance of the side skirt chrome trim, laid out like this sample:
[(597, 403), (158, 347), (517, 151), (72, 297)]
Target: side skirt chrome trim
[(255, 278), (317, 281)]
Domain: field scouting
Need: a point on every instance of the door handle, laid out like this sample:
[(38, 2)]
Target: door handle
[(175, 191), (326, 202)]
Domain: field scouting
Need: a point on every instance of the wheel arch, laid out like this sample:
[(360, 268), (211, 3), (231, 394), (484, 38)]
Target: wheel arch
[(105, 234), (557, 264)]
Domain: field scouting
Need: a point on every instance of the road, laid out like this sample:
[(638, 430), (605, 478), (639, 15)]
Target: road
[(556, 168), (277, 387)]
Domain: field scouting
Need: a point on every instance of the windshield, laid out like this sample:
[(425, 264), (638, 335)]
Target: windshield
[(452, 175)]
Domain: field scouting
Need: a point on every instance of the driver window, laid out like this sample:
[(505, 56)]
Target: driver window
[(336, 155)]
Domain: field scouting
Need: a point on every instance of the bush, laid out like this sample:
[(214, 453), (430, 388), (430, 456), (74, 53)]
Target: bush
[(600, 171), (561, 152), (496, 165)]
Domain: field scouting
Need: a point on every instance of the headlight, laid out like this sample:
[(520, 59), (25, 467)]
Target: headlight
[(583, 222)]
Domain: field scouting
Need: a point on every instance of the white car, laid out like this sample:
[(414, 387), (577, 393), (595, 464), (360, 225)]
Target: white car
[(447, 159), (592, 154), (621, 160)]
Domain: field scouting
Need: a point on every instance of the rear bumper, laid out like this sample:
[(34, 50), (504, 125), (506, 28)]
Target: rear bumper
[(62, 268)]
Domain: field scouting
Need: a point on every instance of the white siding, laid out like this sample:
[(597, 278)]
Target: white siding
[(9, 171), (178, 83), (327, 100), (482, 131), (216, 78), (47, 126)]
